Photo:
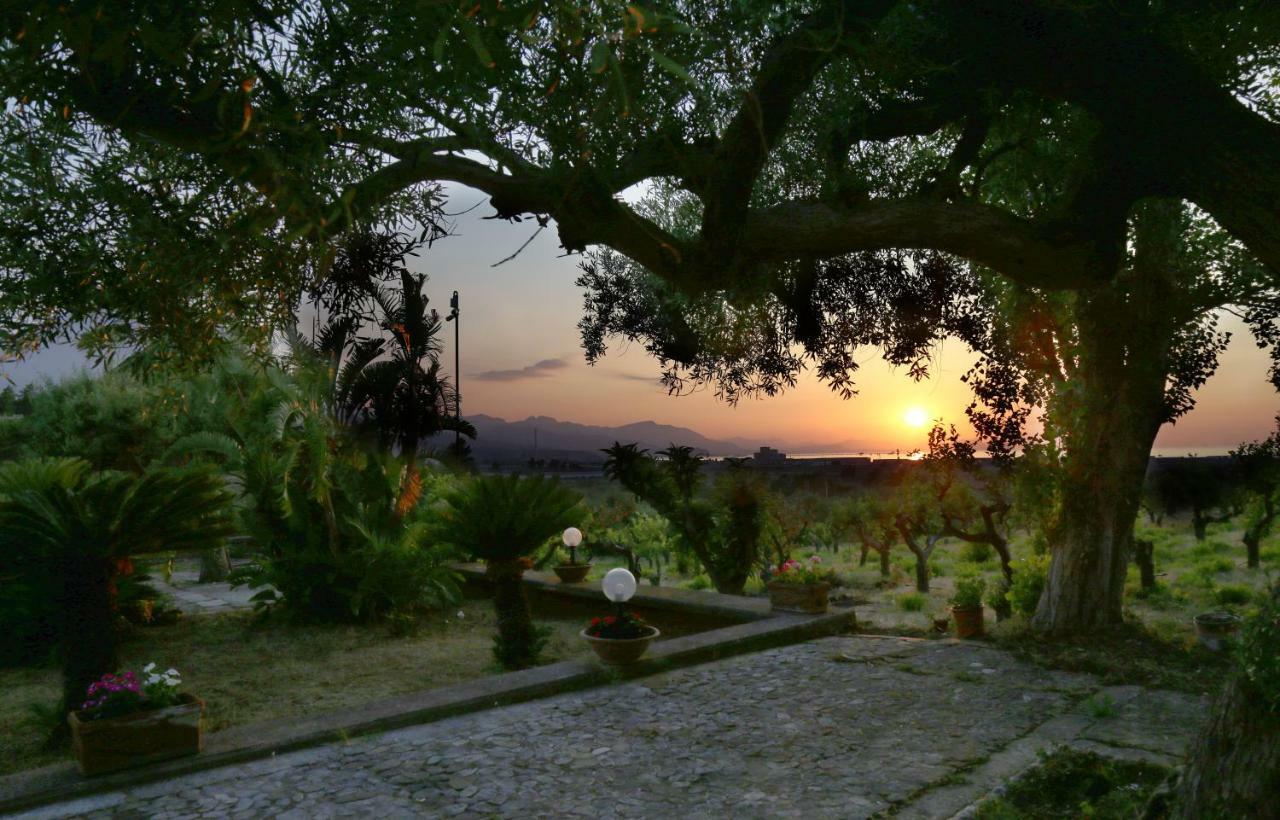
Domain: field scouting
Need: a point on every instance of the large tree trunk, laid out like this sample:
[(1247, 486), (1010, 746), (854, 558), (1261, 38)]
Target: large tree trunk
[(885, 570), (1109, 414), (1090, 539), (1234, 767)]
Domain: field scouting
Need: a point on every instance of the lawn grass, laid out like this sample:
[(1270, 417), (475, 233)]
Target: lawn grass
[(1128, 654), (249, 670), (1070, 784)]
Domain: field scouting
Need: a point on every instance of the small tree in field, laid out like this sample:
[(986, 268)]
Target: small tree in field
[(873, 522), (724, 528), (1258, 464), (1204, 489), (974, 499)]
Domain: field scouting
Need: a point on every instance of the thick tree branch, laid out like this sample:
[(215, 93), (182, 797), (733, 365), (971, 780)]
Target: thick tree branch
[(787, 71), (1016, 247)]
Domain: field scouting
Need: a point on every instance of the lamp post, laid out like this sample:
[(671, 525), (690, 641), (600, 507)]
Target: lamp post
[(454, 313), (572, 537)]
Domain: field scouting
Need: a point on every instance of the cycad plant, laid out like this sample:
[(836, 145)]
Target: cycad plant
[(502, 520), (75, 524)]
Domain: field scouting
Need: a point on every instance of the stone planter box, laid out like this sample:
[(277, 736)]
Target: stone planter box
[(110, 744), (969, 621), (810, 599), (572, 573), (617, 652)]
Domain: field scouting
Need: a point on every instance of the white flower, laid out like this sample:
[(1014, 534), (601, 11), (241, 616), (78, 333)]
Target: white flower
[(149, 667), (461, 615)]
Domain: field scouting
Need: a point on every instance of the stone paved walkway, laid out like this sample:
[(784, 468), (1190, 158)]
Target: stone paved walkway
[(842, 727), (195, 598)]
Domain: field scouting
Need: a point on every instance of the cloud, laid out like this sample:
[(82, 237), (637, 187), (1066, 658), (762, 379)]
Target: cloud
[(537, 370)]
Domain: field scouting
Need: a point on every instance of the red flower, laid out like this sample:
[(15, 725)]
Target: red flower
[(610, 621), (595, 621)]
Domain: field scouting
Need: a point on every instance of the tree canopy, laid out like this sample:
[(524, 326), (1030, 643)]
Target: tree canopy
[(245, 133)]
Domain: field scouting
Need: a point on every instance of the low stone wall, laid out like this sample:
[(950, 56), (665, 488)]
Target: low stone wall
[(676, 612)]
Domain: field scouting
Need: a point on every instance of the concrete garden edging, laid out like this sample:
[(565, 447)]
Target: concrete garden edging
[(756, 629)]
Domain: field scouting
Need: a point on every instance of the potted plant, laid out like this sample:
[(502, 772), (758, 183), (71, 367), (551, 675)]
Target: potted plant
[(966, 606), (572, 572), (128, 721), (800, 586), (1217, 629), (619, 639)]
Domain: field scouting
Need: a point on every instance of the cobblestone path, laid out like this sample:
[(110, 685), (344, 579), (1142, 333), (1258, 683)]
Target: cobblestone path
[(841, 727)]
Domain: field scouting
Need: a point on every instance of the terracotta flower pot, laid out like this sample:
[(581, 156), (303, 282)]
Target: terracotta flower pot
[(810, 599), (123, 742), (572, 573), (620, 652), (1216, 630), (969, 621)]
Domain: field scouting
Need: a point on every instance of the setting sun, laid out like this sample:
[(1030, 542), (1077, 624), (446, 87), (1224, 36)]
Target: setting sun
[(915, 417)]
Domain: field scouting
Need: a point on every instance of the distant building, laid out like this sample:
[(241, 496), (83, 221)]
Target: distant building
[(768, 455)]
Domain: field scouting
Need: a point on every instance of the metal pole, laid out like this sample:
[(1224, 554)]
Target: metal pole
[(457, 373)]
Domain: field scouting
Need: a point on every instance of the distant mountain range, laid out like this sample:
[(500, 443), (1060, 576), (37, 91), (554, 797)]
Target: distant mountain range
[(546, 437)]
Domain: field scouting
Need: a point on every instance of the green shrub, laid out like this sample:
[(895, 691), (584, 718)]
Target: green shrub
[(998, 595), (1029, 577), (977, 552), (1159, 597), (1213, 546), (1076, 784), (1214, 565), (969, 592), (113, 421), (1100, 706), (1259, 652), (1233, 594), (699, 581), (912, 601), (1195, 579)]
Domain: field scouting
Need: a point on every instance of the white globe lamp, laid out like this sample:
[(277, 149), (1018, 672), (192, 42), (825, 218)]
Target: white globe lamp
[(618, 585), (572, 537)]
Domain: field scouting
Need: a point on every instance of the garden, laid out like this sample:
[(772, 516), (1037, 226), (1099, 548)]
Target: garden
[(226, 209)]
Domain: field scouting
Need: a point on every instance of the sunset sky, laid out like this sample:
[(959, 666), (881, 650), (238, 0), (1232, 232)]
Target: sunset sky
[(521, 357)]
